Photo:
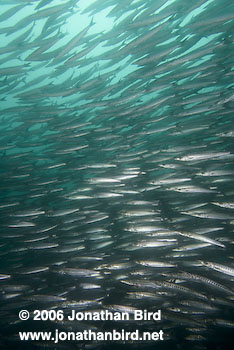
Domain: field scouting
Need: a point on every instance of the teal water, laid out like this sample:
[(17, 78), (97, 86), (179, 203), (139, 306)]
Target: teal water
[(116, 144)]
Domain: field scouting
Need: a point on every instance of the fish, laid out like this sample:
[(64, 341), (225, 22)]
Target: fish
[(116, 191), (219, 267), (201, 238)]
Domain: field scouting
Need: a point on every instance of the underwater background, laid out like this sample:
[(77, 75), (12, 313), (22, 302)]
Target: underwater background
[(117, 169)]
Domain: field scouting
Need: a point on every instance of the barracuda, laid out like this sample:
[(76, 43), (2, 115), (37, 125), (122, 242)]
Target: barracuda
[(219, 267), (116, 191)]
